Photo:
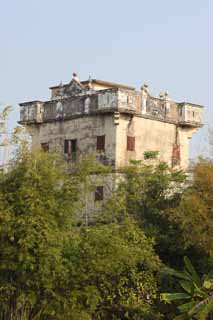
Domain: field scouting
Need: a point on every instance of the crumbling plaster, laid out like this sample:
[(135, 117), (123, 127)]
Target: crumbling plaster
[(85, 110), (84, 129)]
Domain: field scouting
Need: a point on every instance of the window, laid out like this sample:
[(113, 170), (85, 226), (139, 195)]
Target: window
[(70, 148), (130, 143), (45, 146), (175, 155), (99, 193), (100, 143)]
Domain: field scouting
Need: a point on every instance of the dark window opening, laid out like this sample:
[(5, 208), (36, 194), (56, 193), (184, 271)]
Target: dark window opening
[(45, 146), (100, 143), (130, 143), (70, 148), (99, 193)]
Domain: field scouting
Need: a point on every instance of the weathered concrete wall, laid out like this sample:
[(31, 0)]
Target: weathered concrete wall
[(150, 135), (157, 123), (92, 208), (185, 134), (84, 112), (190, 113), (113, 99), (84, 129)]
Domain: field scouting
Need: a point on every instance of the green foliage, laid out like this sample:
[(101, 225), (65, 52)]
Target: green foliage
[(112, 272), (146, 192), (58, 264), (197, 292), (194, 215), (155, 196), (37, 203), (161, 200), (5, 112), (51, 269), (151, 154)]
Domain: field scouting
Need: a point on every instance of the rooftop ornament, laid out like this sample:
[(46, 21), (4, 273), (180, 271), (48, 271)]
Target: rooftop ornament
[(76, 78), (164, 95), (145, 88), (90, 83)]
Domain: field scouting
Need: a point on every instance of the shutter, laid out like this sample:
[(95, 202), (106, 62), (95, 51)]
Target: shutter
[(66, 146), (45, 146), (74, 149), (73, 145), (101, 143), (130, 143), (99, 193), (175, 155)]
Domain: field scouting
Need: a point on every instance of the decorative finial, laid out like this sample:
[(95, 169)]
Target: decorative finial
[(145, 88), (90, 83), (75, 77), (164, 95), (161, 95)]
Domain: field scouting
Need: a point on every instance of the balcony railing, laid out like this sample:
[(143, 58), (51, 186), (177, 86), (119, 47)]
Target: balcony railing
[(111, 100)]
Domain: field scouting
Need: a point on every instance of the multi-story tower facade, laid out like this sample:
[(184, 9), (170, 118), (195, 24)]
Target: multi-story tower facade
[(113, 121)]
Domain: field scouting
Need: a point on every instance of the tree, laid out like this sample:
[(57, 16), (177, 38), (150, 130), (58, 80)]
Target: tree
[(146, 192), (54, 265), (194, 215), (52, 268), (209, 146), (197, 293), (112, 273), (37, 204)]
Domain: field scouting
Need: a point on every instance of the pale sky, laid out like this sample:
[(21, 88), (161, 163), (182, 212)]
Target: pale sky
[(165, 43)]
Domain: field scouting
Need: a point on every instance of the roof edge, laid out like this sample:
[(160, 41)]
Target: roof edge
[(101, 82)]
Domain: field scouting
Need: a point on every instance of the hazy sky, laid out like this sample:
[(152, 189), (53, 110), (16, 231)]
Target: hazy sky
[(166, 43)]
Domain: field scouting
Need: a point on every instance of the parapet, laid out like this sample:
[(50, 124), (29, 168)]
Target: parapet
[(78, 99)]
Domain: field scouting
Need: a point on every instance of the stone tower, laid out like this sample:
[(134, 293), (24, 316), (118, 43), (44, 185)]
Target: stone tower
[(113, 121)]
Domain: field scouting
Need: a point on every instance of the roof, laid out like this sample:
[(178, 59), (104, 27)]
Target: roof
[(30, 102), (192, 104), (103, 83)]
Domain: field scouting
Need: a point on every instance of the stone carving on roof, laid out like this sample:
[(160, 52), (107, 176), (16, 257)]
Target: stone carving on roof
[(74, 88)]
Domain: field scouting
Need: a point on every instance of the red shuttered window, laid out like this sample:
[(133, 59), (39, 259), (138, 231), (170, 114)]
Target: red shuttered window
[(175, 155), (130, 143), (100, 143)]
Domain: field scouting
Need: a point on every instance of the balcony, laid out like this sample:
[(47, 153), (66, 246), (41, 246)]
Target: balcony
[(110, 101)]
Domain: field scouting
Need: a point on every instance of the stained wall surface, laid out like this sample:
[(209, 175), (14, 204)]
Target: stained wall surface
[(156, 124), (84, 129), (150, 135)]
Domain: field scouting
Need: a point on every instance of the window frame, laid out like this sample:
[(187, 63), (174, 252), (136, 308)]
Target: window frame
[(68, 148), (100, 143), (130, 143), (45, 146), (99, 193)]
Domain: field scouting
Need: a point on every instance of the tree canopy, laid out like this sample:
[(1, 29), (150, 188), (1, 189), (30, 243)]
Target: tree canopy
[(114, 266)]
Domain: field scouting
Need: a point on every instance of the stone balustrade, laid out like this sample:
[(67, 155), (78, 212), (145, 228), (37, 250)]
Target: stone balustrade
[(111, 100)]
